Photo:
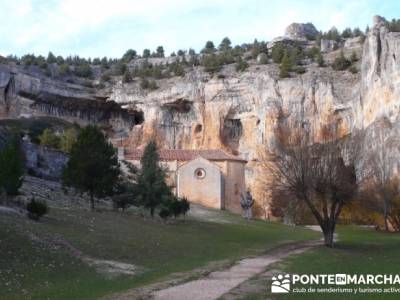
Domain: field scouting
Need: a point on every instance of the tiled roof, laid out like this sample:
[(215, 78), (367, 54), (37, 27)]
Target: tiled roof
[(184, 155)]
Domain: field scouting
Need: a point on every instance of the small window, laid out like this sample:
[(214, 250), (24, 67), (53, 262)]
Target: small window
[(200, 173)]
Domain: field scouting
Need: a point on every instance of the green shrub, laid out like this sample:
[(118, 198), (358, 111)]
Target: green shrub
[(300, 70), (211, 63), (394, 25), (105, 77), (83, 70), (353, 69), (63, 70), (353, 56), (49, 139), (286, 66), (262, 58), (320, 60), (122, 202), (148, 85), (127, 77), (36, 209), (185, 206), (277, 53), (241, 64), (341, 63)]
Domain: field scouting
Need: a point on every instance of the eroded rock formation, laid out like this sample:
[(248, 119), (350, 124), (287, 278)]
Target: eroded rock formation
[(237, 112)]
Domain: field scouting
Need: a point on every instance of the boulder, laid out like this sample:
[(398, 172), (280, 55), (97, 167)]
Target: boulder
[(301, 30)]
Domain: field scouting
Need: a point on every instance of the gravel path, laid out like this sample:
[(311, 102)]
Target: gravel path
[(218, 283)]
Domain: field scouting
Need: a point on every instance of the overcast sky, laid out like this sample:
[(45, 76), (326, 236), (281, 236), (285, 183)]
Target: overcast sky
[(94, 28)]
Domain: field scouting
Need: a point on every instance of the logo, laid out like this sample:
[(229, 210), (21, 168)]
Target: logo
[(280, 284)]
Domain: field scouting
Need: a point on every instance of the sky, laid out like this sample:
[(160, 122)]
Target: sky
[(97, 28)]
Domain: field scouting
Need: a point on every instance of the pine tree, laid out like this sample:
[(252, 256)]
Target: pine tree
[(93, 165), (353, 57), (127, 77), (241, 65), (51, 58), (129, 55), (160, 51), (320, 60), (286, 66), (209, 47), (225, 44), (12, 169), (151, 187)]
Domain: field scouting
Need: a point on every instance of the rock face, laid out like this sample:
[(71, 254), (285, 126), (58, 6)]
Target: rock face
[(24, 95), (237, 112), (328, 45), (301, 30), (43, 162)]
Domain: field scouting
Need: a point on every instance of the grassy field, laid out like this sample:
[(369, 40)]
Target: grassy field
[(36, 263), (359, 251)]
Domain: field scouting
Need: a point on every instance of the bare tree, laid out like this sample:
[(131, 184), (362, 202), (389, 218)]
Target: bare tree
[(380, 173), (314, 174), (384, 199)]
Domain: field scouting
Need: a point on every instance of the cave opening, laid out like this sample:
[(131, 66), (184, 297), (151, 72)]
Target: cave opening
[(232, 132), (138, 116), (198, 128)]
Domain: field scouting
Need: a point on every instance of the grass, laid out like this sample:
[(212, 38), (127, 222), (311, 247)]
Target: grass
[(35, 270), (359, 251)]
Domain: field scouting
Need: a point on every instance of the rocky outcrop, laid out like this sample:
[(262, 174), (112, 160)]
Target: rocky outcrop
[(23, 94), (328, 45), (43, 162), (301, 30)]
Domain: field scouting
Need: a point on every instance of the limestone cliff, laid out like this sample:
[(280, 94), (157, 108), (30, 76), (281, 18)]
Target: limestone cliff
[(234, 111)]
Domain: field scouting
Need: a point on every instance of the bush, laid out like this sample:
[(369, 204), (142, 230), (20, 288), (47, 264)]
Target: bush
[(49, 139), (353, 57), (277, 53), (63, 70), (127, 77), (285, 67), (300, 70), (211, 63), (105, 77), (320, 60), (68, 139), (36, 209), (185, 206), (313, 53), (241, 65), (353, 69), (83, 71), (148, 85), (262, 58), (164, 213), (122, 202), (394, 25), (341, 63)]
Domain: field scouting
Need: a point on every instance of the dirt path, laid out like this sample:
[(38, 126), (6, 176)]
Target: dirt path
[(218, 283)]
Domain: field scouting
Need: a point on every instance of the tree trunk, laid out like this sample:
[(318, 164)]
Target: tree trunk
[(328, 230), (386, 223), (91, 201), (385, 214), (328, 238)]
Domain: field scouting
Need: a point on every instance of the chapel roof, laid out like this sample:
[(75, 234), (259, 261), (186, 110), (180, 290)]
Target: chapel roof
[(185, 155)]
